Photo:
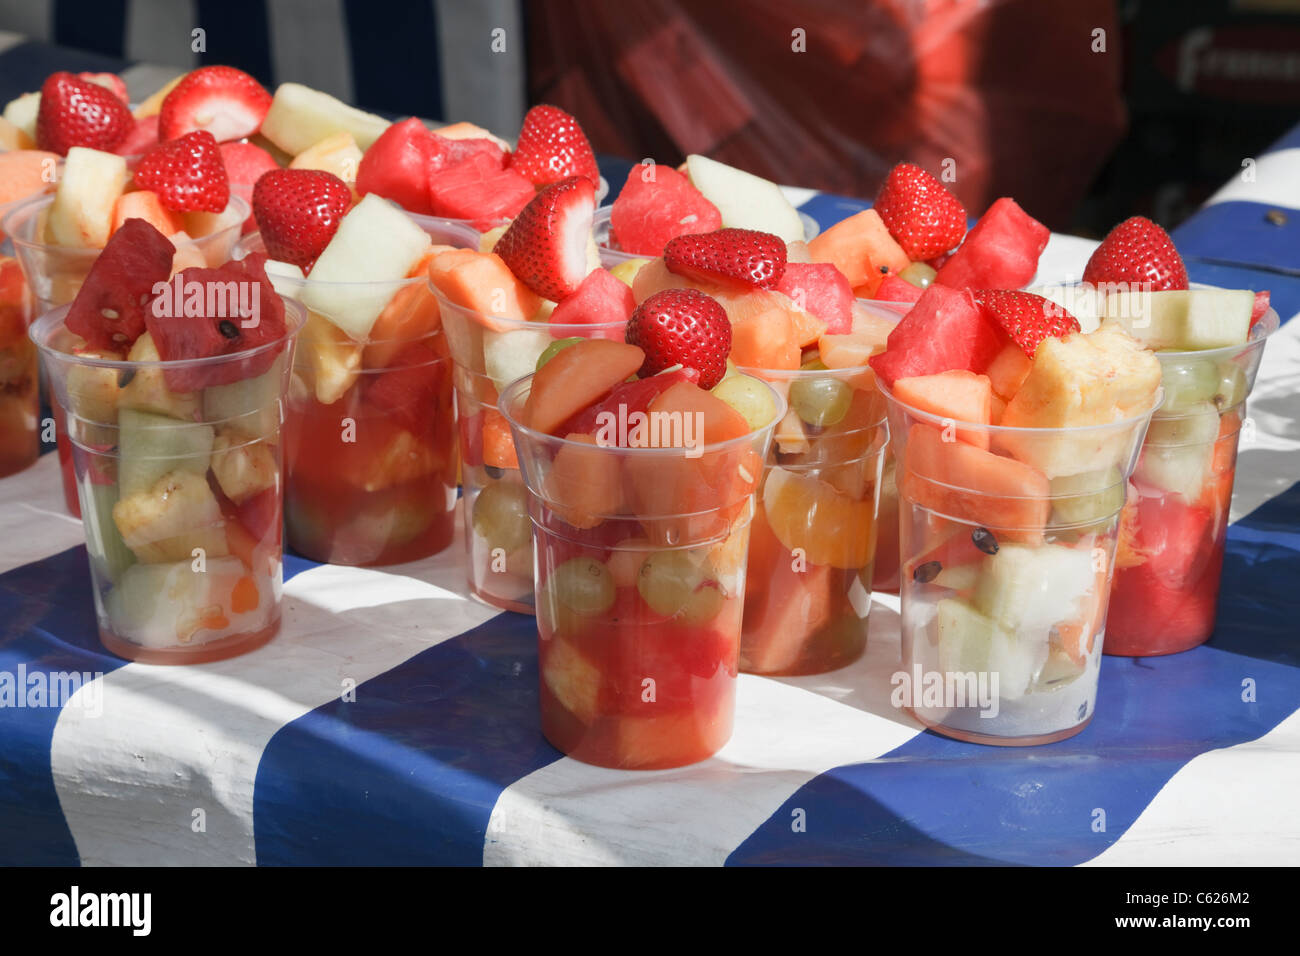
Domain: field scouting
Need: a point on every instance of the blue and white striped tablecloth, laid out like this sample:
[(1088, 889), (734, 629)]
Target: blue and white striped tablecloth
[(439, 758)]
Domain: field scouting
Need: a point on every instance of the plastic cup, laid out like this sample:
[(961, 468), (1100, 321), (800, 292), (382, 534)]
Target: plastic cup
[(611, 256), (1166, 586), (813, 539), (1006, 571), (640, 581), (182, 509), (370, 449), (19, 374), (489, 353), (55, 274)]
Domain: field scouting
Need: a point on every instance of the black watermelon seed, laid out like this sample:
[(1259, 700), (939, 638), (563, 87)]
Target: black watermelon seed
[(925, 573), (124, 377), (228, 329), (983, 539)]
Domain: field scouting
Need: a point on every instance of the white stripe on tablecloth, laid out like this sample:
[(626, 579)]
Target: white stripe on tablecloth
[(480, 85), (1268, 456), (309, 45), (33, 522), (172, 740), (787, 732), (159, 31), (1230, 807), (1274, 180)]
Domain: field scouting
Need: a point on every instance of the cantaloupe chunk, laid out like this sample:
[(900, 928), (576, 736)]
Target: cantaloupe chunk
[(25, 173), (410, 315), (337, 153), (808, 513), (958, 395), (14, 137), (763, 336), (720, 422), (849, 351), (961, 481), (859, 246), (1008, 370), (483, 283), (498, 443), (585, 483), (463, 130), (144, 204), (654, 277), (784, 611), (575, 378)]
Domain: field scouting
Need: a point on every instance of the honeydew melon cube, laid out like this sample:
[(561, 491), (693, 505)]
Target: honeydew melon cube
[(169, 605), (376, 245), (301, 117), (1184, 320), (511, 355), (151, 445), (745, 201), (81, 215), (973, 643), (1026, 590), (22, 112)]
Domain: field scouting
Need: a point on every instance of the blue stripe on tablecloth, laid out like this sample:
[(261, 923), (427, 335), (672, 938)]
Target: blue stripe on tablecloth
[(938, 801), (409, 772), (1239, 233), (49, 626), (1290, 141), (828, 209)]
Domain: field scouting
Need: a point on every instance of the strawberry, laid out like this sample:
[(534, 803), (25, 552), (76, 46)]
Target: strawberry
[(920, 213), (742, 257), (226, 102), (298, 212), (1027, 318), (76, 112), (1261, 307), (552, 146), (546, 246), (1137, 251), (186, 173), (682, 327)]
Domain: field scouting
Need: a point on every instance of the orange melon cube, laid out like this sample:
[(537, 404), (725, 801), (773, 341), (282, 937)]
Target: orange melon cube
[(958, 395), (576, 377), (859, 246), (24, 173), (483, 283), (146, 205)]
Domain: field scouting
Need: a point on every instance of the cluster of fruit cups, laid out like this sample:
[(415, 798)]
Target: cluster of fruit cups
[(1006, 574), (55, 273), (1166, 587), (370, 481), (181, 573), (486, 353), (640, 596)]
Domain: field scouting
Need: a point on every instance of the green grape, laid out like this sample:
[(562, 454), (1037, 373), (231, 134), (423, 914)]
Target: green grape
[(750, 397), (679, 584), (1089, 496), (501, 516), (820, 402), (919, 274), (555, 348), (583, 585), (1187, 384)]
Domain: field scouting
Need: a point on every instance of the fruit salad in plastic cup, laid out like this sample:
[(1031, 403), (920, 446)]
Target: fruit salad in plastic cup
[(173, 407), (371, 436), (1009, 507), (19, 374), (641, 495)]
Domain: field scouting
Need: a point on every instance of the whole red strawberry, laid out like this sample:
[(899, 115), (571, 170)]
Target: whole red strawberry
[(1026, 317), (1137, 251), (186, 173), (546, 246), (298, 212), (743, 257), (77, 112), (682, 327), (919, 212), (226, 102), (552, 146)]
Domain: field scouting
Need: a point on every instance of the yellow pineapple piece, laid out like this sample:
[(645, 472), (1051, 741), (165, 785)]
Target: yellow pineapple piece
[(169, 520), (338, 154), (153, 105), (147, 390), (488, 241), (330, 359), (244, 466)]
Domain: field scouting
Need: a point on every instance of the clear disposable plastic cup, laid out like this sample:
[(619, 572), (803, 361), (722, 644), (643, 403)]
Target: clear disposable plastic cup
[(370, 448), (814, 533), (640, 586), (490, 352), (1008, 539), (181, 492), (19, 374), (611, 255), (1167, 571)]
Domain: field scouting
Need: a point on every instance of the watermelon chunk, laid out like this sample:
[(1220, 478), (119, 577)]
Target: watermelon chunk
[(820, 288), (184, 337), (245, 162), (398, 164), (1261, 306), (894, 289), (478, 190), (600, 297), (111, 310), (142, 137), (657, 204), (945, 330), (459, 150), (1001, 252), (408, 389)]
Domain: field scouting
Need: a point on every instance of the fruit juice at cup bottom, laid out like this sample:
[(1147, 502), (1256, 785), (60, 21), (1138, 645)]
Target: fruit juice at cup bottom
[(183, 511), (55, 273), (19, 374), (1172, 537), (370, 447), (639, 605), (489, 353), (808, 588), (1005, 573)]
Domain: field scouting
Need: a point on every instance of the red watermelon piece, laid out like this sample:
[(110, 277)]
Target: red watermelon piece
[(1260, 308), (600, 297), (142, 137), (463, 150), (1001, 252), (945, 330), (478, 190), (657, 203), (408, 389), (822, 290), (894, 289), (245, 163), (398, 164), (120, 285)]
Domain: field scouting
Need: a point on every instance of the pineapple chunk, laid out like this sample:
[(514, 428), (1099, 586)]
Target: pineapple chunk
[(573, 679), (243, 465), (93, 392), (22, 112), (1076, 381), (330, 359), (14, 137), (153, 105), (337, 154), (301, 117), (147, 390), (488, 241), (169, 520), (82, 213)]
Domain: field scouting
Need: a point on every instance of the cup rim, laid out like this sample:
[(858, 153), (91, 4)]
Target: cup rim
[(512, 391), (497, 323), (21, 211), (601, 220)]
